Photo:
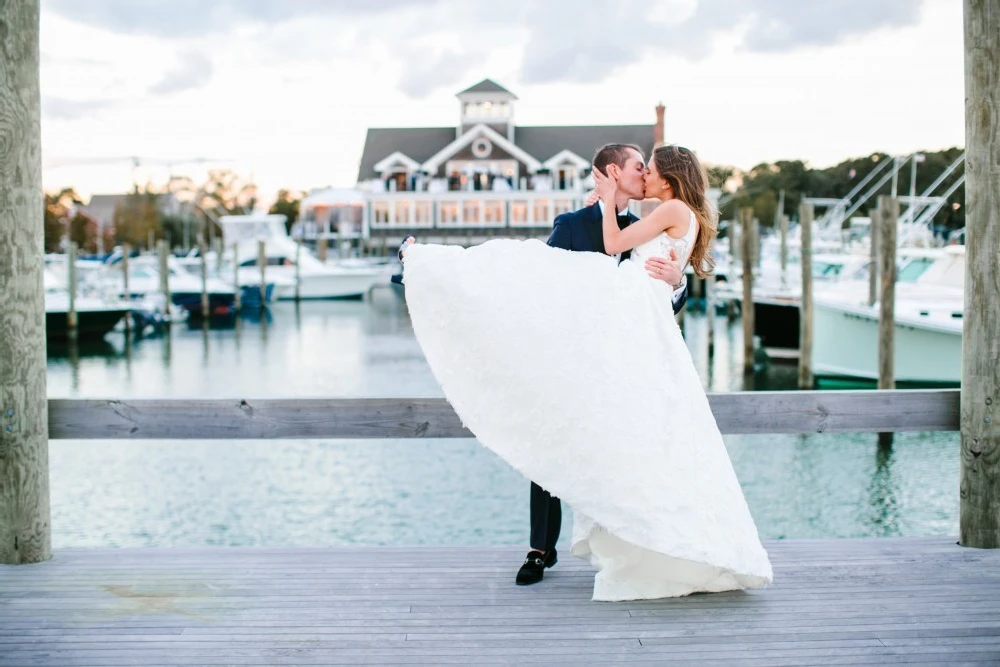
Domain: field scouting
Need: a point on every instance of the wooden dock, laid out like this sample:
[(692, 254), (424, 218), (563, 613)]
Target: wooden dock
[(834, 602)]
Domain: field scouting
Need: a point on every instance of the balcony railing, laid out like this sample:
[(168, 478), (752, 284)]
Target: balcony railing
[(463, 210)]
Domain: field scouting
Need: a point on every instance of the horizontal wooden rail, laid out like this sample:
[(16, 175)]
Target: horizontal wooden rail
[(300, 418)]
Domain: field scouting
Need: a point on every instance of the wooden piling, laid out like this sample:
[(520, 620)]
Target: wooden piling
[(163, 253), (150, 241), (783, 224), (238, 298), (298, 270), (979, 492), (888, 219), (747, 314), (806, 379), (126, 251), (262, 264), (71, 287), (710, 313), (873, 265), (25, 524), (203, 256), (321, 249)]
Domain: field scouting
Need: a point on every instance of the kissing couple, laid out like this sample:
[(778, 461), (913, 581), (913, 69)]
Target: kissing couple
[(565, 359)]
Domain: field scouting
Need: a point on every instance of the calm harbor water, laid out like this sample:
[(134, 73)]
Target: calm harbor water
[(336, 492)]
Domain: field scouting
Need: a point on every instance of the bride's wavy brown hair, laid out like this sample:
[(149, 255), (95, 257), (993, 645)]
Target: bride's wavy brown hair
[(681, 168)]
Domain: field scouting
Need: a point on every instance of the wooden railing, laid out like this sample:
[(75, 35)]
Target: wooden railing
[(234, 419)]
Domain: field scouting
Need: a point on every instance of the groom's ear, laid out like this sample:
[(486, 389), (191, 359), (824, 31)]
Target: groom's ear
[(613, 170)]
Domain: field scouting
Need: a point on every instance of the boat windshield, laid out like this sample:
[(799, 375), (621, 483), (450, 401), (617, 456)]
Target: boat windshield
[(910, 271)]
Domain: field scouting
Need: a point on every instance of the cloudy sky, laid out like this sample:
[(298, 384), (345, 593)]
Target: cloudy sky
[(283, 90)]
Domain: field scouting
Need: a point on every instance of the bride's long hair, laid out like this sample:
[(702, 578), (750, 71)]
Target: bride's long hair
[(681, 168)]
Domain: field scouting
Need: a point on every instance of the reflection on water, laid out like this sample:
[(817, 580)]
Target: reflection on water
[(414, 491)]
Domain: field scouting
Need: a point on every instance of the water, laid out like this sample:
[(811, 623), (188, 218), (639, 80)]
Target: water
[(337, 492)]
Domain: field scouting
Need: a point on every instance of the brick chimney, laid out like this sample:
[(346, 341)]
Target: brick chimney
[(658, 128)]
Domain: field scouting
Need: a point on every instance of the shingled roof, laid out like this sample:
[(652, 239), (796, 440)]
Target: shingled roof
[(541, 142), (418, 143), (545, 141), (487, 86)]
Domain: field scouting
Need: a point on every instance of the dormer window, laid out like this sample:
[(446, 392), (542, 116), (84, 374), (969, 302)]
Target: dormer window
[(487, 110)]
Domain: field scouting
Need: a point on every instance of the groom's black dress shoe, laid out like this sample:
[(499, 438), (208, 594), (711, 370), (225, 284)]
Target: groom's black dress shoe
[(534, 567)]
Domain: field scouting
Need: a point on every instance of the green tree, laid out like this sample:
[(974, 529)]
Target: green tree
[(287, 204), (83, 231), (56, 213), (136, 217)]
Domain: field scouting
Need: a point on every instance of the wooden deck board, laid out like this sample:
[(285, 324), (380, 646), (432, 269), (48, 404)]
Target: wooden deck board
[(891, 601)]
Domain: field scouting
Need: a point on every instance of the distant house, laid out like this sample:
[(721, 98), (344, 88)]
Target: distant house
[(484, 173)]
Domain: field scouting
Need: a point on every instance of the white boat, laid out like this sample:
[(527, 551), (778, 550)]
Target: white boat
[(185, 288), (316, 280), (95, 316), (928, 326)]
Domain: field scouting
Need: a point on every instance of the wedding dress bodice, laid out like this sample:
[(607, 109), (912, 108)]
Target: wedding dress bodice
[(660, 245)]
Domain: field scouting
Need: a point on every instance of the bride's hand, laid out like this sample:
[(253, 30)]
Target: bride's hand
[(591, 199), (606, 187)]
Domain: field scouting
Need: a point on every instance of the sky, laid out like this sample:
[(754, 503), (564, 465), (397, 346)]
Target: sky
[(283, 91)]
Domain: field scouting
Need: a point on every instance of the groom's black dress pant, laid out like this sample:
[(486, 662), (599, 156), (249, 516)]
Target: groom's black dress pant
[(546, 519)]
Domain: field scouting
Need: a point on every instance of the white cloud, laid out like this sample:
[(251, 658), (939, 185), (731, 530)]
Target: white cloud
[(293, 86), (193, 70)]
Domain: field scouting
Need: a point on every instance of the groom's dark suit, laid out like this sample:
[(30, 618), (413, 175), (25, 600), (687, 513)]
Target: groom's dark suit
[(580, 230)]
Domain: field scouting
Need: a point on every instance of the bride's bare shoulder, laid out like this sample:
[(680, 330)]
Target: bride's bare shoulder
[(675, 214)]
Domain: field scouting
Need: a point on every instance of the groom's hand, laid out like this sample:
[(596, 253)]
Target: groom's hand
[(667, 269)]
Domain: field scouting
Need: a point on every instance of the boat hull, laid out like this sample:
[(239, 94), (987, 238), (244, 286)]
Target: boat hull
[(90, 324), (845, 345)]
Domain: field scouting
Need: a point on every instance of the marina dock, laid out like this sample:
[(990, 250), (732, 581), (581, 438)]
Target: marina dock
[(833, 602)]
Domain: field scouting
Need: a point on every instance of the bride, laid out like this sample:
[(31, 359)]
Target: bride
[(571, 368)]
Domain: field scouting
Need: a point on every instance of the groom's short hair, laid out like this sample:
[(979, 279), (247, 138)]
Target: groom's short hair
[(614, 154)]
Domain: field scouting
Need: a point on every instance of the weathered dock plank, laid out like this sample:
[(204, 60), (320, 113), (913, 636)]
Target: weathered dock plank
[(874, 602)]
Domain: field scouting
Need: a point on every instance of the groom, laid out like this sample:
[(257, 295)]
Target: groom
[(581, 230)]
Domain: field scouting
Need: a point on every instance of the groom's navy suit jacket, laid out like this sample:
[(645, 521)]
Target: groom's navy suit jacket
[(582, 230)]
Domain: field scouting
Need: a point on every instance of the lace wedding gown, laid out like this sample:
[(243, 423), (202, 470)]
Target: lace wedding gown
[(571, 368)]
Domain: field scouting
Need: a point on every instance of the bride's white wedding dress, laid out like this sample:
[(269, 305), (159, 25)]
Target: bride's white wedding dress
[(572, 368)]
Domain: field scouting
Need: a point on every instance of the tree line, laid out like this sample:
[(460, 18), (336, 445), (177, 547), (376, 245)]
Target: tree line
[(760, 186), (185, 210), (180, 211)]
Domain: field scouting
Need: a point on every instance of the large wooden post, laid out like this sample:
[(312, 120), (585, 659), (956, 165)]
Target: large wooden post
[(783, 224), (25, 526), (806, 379), (888, 215), (163, 253), (202, 256), (72, 288), (747, 314), (979, 514)]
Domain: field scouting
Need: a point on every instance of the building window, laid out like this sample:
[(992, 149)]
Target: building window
[(560, 206), (422, 213), (448, 213), (540, 212), (518, 213), (402, 212), (381, 212), (470, 212), (493, 211)]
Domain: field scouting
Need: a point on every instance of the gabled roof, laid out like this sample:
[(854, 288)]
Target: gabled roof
[(417, 143), (487, 86), (396, 158), (480, 131), (542, 143)]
